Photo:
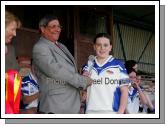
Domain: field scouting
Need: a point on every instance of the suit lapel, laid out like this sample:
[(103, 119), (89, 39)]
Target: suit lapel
[(62, 51), (66, 51)]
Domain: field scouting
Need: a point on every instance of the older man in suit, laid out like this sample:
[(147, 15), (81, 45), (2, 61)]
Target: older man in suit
[(58, 78)]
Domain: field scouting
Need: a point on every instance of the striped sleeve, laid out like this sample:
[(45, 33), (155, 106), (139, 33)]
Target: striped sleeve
[(25, 86), (124, 78)]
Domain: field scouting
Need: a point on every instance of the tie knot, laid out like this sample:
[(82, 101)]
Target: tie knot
[(57, 45)]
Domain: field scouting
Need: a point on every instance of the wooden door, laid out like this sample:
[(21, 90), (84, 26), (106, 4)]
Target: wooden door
[(88, 21)]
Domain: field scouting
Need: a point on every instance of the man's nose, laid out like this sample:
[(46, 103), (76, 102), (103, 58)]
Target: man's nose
[(58, 29), (102, 47)]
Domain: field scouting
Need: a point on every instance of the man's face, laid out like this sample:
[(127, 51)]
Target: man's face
[(52, 30)]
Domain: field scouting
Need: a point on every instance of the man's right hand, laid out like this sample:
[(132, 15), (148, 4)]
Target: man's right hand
[(87, 74), (89, 81)]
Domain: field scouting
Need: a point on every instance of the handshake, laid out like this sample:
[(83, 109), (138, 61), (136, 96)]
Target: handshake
[(87, 77), (83, 93)]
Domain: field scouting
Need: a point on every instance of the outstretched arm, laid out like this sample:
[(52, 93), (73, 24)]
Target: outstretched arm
[(52, 67), (29, 99), (124, 99)]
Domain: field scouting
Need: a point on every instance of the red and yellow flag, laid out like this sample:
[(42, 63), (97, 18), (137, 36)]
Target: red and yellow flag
[(13, 92)]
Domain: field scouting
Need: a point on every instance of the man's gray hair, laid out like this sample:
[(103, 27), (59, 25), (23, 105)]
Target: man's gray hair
[(46, 19)]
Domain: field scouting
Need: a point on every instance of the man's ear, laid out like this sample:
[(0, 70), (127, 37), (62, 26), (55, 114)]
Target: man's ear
[(42, 29)]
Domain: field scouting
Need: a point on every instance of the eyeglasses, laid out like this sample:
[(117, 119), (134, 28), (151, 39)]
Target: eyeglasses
[(54, 26)]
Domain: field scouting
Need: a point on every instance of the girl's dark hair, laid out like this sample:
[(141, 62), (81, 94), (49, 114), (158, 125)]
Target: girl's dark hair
[(131, 70), (99, 35), (129, 64)]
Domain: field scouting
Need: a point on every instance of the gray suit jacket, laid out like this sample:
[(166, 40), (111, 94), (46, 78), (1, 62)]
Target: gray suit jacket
[(58, 79)]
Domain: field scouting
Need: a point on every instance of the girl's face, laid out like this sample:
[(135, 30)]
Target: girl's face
[(10, 31), (132, 76), (102, 47)]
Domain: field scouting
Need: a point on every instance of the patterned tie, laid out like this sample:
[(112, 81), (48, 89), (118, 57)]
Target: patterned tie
[(57, 45), (64, 52)]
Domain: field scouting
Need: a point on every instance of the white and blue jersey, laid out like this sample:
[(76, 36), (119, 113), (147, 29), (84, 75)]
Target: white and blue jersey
[(133, 100), (29, 88), (104, 94)]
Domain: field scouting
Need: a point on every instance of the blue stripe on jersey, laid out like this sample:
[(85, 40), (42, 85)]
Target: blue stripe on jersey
[(112, 63), (116, 101), (32, 82), (25, 92), (24, 84), (134, 92), (26, 81), (120, 65)]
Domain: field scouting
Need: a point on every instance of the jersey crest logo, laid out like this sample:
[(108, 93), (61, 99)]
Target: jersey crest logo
[(109, 71)]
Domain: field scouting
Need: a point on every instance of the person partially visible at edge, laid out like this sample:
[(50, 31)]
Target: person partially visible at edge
[(137, 95), (12, 77), (132, 66), (57, 72), (109, 91), (30, 92), (11, 24)]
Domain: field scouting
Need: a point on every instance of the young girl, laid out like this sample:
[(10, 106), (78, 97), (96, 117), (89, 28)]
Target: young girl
[(136, 95), (109, 91)]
